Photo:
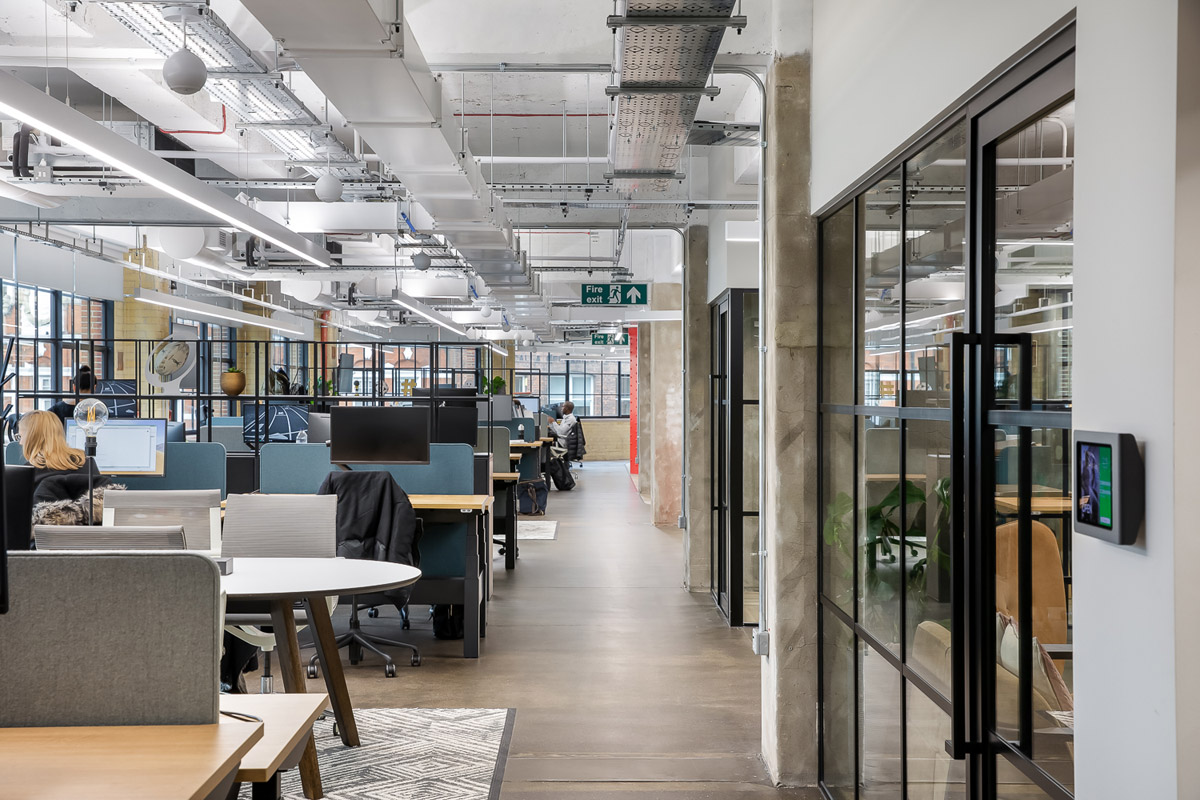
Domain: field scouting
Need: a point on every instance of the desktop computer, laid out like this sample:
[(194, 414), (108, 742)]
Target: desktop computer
[(286, 421), (126, 446)]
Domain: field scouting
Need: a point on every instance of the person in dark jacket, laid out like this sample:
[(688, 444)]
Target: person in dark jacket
[(60, 472), (85, 383)]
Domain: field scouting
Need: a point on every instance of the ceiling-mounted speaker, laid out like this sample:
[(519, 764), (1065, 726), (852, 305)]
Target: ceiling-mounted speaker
[(328, 188), (182, 243), (184, 72)]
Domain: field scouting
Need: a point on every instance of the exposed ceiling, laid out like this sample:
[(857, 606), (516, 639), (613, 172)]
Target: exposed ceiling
[(475, 132)]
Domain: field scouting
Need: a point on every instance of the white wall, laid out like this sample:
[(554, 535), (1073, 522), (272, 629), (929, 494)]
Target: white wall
[(731, 265), (883, 69), (1125, 600)]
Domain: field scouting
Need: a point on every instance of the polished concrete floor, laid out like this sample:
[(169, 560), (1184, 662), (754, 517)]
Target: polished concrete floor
[(624, 683)]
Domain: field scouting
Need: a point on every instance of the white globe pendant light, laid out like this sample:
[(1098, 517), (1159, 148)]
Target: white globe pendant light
[(329, 188), (304, 291), (485, 311), (182, 243), (421, 261), (184, 72)]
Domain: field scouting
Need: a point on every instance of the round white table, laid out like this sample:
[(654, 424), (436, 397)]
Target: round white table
[(283, 581)]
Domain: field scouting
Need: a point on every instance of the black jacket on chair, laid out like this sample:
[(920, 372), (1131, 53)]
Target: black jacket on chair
[(375, 521), (576, 443)]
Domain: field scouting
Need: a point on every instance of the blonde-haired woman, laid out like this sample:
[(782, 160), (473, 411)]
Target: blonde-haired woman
[(60, 471)]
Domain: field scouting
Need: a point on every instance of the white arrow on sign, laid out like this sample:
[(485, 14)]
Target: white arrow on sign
[(633, 295)]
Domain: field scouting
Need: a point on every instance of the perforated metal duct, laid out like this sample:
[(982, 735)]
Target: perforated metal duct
[(662, 71)]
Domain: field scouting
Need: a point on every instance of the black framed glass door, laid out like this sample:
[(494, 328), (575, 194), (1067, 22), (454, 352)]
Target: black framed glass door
[(734, 429), (945, 570)]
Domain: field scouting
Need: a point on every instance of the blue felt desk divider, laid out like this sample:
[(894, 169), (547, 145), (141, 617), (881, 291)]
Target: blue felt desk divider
[(301, 469), (514, 424), (189, 465)]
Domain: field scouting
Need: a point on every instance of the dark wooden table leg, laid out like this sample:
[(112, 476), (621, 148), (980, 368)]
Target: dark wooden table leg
[(510, 533), (331, 668), (288, 647)]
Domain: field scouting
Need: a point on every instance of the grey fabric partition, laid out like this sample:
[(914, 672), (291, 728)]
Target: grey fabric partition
[(110, 639)]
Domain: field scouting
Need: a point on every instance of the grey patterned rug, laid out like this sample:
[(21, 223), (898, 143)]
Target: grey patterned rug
[(412, 754), (535, 529)]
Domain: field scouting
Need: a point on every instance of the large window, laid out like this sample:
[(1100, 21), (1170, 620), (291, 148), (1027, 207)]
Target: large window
[(599, 387), (57, 333)]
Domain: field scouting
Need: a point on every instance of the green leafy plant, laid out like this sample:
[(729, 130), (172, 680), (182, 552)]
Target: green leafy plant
[(233, 370), (883, 534), (493, 386)]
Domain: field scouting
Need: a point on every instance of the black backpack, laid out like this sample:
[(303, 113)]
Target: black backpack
[(560, 474), (448, 621)]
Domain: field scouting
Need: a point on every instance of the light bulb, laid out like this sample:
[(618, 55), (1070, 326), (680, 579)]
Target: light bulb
[(90, 415)]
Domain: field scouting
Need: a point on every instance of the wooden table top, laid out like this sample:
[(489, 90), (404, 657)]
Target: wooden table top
[(506, 476), (526, 445), (450, 502), (154, 762), (287, 718), (547, 439), (1039, 505)]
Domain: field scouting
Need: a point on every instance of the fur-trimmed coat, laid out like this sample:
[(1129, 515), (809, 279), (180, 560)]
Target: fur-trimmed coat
[(72, 512)]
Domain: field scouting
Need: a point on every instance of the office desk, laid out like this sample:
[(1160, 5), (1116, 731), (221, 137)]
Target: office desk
[(1053, 506), (282, 581), (287, 721), (525, 445), (507, 481), (154, 762), (432, 506)]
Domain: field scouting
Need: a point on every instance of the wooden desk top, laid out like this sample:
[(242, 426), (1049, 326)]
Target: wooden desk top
[(450, 502), (506, 476), (154, 762), (516, 456), (287, 719), (547, 439), (1039, 505), (525, 445)]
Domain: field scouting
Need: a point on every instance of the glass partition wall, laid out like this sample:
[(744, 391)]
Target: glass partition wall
[(946, 309), (734, 419)]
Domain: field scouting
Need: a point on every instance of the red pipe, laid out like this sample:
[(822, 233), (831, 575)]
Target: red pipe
[(224, 125)]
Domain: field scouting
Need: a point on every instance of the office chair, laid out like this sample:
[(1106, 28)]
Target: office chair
[(279, 526), (117, 537), (384, 487), (18, 506), (198, 511)]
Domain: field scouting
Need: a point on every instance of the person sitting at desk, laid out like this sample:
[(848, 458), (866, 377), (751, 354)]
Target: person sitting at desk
[(60, 472), (85, 383), (561, 430)]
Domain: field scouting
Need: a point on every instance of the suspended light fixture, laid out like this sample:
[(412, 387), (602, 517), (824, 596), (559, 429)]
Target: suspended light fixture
[(422, 261), (184, 72), (485, 311), (329, 188)]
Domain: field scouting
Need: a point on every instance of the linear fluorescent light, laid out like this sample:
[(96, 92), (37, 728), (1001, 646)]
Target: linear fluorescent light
[(420, 309), (23, 102), (215, 312), (351, 329)]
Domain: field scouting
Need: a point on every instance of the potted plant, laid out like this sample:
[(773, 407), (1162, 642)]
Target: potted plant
[(233, 382), (494, 386)]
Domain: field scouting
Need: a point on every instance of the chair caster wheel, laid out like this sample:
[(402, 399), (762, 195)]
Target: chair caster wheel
[(336, 732), (406, 626), (372, 612), (389, 670), (312, 671), (416, 660)]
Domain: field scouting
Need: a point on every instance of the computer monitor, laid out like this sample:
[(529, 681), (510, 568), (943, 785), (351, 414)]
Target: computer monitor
[(379, 435), (285, 423), (318, 427), (531, 404), (126, 446), (450, 396), (457, 426)]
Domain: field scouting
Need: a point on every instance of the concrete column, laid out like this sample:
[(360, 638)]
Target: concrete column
[(697, 334), (666, 408), (645, 423), (791, 514)]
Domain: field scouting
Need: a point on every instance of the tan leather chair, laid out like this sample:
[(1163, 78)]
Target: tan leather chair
[(1049, 589)]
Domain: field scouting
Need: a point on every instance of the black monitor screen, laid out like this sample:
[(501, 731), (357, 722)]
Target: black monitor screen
[(379, 435), (286, 421), (457, 426), (119, 398)]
